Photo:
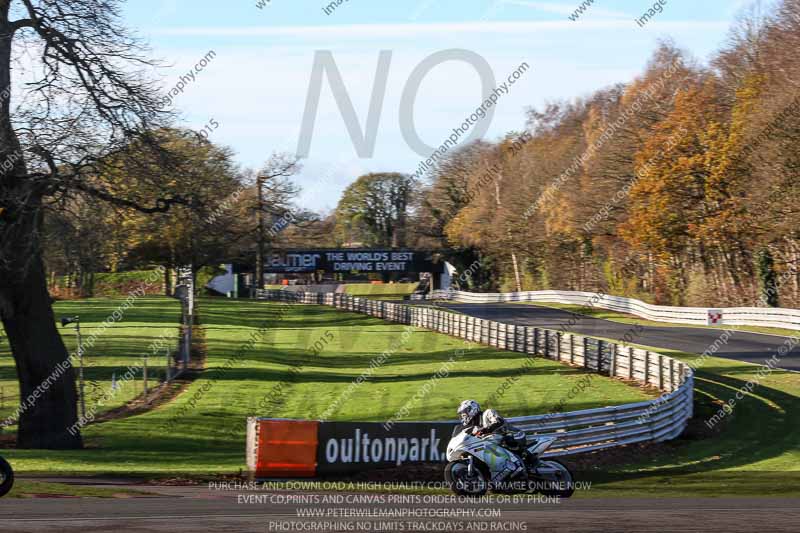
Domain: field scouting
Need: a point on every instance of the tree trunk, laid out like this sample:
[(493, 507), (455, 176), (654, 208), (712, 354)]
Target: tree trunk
[(91, 283), (168, 281), (48, 408), (48, 398)]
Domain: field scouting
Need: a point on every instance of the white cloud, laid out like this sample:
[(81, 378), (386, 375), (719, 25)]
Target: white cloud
[(412, 31), (256, 87), (566, 10)]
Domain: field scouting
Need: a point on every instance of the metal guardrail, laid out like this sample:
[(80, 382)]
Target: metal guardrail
[(730, 316), (577, 431)]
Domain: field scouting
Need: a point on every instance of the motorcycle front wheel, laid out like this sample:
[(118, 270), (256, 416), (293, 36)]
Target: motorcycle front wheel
[(6, 477), (554, 479), (464, 483)]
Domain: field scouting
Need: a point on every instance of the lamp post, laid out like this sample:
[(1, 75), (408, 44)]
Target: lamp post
[(259, 281), (186, 276), (65, 321)]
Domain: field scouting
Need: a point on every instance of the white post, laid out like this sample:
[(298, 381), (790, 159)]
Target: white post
[(80, 371)]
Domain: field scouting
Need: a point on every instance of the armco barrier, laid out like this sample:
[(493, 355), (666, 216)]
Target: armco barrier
[(730, 316), (576, 432)]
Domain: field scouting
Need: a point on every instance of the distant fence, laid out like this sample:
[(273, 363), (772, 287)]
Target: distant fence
[(728, 316), (577, 431)]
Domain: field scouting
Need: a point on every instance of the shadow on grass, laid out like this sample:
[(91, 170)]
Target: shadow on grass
[(144, 310), (764, 425), (287, 353)]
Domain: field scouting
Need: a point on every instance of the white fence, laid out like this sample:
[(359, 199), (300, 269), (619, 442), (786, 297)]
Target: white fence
[(730, 316), (577, 431)]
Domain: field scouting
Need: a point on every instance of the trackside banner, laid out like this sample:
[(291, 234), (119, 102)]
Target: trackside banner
[(358, 446), (305, 448), (349, 260)]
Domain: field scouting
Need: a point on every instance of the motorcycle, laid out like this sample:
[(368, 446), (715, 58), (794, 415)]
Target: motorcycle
[(478, 464), (6, 477)]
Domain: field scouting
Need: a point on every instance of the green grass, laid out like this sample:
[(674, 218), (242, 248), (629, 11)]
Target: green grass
[(384, 291), (210, 439), (121, 345), (44, 489), (625, 318), (755, 451)]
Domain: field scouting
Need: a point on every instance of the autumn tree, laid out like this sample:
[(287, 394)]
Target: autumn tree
[(672, 187), (203, 230)]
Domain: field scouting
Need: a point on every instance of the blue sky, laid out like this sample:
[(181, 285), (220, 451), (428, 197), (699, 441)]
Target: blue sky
[(256, 85)]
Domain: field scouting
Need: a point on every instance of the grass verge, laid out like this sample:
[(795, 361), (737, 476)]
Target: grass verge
[(122, 344), (202, 432), (384, 291), (43, 489), (753, 451)]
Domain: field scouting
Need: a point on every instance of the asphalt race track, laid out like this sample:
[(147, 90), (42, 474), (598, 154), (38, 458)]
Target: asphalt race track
[(742, 346), (195, 509)]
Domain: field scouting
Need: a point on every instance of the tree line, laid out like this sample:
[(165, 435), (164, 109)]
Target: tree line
[(680, 187), (219, 219)]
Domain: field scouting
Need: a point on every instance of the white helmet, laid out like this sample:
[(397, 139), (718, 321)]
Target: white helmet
[(467, 410)]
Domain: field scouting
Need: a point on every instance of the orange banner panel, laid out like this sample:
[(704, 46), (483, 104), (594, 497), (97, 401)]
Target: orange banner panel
[(287, 448)]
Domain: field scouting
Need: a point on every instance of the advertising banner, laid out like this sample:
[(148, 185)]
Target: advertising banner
[(306, 448), (358, 446), (282, 448), (348, 260)]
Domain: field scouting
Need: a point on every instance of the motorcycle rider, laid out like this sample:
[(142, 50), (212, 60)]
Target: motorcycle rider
[(490, 422)]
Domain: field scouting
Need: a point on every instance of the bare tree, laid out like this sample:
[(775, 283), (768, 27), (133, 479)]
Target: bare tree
[(86, 101), (274, 191)]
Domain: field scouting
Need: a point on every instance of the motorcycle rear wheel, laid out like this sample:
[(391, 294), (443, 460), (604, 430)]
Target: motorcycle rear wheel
[(6, 477), (457, 475)]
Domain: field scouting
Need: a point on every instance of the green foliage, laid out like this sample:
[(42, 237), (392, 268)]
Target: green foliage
[(112, 284), (508, 283), (87, 237), (615, 282), (528, 279), (544, 278), (621, 283), (206, 274), (374, 210), (124, 283), (768, 278)]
